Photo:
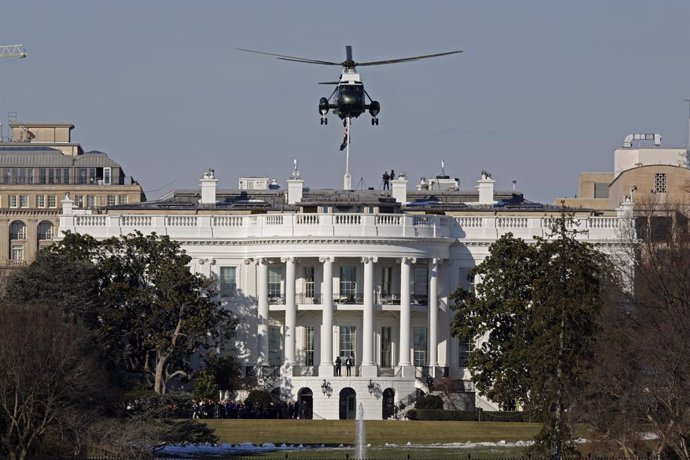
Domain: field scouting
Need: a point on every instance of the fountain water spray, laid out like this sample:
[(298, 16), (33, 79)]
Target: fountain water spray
[(360, 441)]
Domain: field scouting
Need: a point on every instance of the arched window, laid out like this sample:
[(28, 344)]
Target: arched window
[(46, 231), (17, 230)]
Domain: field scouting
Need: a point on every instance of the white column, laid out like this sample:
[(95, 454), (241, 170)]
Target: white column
[(326, 364), (368, 364), (405, 313), (433, 314), (290, 309), (262, 294)]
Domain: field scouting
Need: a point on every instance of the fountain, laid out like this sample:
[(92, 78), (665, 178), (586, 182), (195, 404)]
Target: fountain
[(360, 437)]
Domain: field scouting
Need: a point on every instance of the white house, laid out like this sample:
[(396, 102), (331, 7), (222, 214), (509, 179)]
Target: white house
[(318, 274)]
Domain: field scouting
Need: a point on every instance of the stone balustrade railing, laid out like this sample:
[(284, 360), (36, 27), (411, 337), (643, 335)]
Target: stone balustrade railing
[(336, 225)]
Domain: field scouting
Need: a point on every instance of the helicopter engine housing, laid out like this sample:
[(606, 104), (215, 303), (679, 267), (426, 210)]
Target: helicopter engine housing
[(374, 108), (323, 106)]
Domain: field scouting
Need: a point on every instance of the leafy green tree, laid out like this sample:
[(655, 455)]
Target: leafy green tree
[(149, 312), (499, 313), (535, 312), (224, 370), (205, 387)]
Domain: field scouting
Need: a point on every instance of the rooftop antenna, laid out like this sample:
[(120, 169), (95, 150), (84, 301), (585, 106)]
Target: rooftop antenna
[(443, 168)]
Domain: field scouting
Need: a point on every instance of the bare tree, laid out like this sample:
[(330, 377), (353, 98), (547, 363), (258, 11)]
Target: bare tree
[(640, 376), (47, 369)]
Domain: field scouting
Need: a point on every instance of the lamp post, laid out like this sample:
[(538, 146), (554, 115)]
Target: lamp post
[(326, 388)]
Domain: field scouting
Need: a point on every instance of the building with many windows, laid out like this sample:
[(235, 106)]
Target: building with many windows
[(319, 276), (39, 164)]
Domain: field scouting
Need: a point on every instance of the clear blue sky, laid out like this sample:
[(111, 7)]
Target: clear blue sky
[(544, 90)]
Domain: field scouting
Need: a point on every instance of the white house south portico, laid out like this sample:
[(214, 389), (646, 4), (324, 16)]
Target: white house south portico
[(316, 275)]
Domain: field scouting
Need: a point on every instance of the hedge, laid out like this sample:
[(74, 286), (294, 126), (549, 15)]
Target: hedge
[(464, 415)]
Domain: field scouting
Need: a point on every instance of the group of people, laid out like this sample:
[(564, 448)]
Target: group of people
[(349, 362), (235, 409), (387, 178)]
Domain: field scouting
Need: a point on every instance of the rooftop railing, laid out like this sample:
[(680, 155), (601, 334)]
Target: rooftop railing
[(336, 225)]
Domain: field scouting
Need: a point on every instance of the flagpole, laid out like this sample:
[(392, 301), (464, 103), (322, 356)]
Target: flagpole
[(347, 179)]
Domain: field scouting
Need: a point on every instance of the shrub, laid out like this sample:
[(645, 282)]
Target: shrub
[(505, 416), (429, 402)]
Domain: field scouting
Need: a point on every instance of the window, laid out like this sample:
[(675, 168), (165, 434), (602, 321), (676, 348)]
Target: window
[(40, 201), (601, 190), (386, 281), (421, 285), (13, 201), (112, 200), (17, 253), (465, 347), (419, 344), (348, 337), (123, 199), (660, 183), (348, 281), (275, 353), (90, 201), (42, 175), (65, 175), (79, 201), (386, 349), (17, 230), (83, 176), (309, 283), (107, 176), (467, 279), (52, 201), (309, 346), (275, 282), (23, 201), (46, 230), (228, 281)]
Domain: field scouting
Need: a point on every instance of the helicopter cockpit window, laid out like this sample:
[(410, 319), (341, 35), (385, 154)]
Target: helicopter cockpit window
[(352, 93)]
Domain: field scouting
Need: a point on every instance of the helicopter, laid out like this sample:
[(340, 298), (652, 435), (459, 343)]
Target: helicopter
[(349, 98)]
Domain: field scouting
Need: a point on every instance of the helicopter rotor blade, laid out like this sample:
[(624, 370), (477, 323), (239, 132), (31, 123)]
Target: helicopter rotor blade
[(407, 59), (291, 58), (329, 83)]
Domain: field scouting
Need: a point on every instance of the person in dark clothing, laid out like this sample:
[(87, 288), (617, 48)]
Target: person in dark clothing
[(349, 362), (386, 178), (392, 175), (338, 362)]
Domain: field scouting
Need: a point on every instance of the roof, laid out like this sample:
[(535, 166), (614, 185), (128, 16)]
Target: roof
[(25, 156)]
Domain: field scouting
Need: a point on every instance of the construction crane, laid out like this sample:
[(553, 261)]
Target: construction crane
[(12, 51)]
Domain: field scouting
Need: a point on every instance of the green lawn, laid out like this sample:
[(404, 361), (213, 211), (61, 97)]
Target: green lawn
[(378, 432)]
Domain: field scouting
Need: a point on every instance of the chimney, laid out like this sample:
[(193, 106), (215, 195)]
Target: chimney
[(485, 186), (399, 189), (208, 187), (295, 185)]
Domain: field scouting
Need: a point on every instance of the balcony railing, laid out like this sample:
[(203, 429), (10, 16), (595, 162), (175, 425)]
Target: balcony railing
[(354, 299)]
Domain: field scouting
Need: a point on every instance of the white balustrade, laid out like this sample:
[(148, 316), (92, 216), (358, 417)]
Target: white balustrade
[(135, 221), (90, 221), (463, 228), (181, 221), (227, 221)]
